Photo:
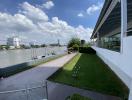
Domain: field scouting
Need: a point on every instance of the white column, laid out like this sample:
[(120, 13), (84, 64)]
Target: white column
[(123, 21)]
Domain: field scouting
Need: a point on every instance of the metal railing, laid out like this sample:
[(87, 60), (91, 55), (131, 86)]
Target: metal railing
[(37, 92)]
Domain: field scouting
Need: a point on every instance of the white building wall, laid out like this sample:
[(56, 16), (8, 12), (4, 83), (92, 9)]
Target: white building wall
[(16, 42), (13, 41), (120, 63)]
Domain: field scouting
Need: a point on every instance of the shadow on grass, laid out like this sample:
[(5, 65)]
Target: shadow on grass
[(93, 75)]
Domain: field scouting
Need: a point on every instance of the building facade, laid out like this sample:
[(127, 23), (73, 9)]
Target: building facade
[(112, 38), (13, 42)]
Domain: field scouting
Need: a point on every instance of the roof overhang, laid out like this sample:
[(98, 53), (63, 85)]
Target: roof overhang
[(109, 21), (108, 7)]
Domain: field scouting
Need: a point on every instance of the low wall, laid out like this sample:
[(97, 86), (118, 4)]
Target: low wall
[(11, 70)]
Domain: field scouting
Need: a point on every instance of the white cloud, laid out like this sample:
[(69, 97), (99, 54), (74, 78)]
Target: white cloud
[(92, 9), (33, 23), (84, 33), (64, 31), (33, 12), (16, 22), (48, 5), (80, 15)]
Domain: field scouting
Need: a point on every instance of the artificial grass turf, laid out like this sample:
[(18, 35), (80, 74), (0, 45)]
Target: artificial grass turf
[(93, 75)]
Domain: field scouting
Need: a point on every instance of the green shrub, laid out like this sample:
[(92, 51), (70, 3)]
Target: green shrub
[(75, 47), (73, 41), (88, 50)]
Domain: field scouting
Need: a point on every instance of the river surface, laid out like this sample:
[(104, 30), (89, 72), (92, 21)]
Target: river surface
[(12, 57)]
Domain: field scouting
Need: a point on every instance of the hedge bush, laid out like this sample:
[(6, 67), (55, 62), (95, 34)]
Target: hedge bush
[(87, 50), (75, 47)]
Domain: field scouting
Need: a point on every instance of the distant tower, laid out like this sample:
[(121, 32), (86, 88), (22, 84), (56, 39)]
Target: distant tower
[(58, 42)]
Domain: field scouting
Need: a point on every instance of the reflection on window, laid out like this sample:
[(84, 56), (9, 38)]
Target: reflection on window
[(129, 33), (110, 42)]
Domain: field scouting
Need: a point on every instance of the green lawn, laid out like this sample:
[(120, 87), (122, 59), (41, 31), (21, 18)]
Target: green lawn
[(93, 75)]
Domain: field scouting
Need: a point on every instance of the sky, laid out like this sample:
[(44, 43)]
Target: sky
[(46, 21)]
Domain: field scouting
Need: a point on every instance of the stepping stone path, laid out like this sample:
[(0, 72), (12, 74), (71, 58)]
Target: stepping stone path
[(75, 72)]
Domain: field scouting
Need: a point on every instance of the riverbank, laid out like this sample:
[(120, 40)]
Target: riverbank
[(31, 78), (13, 57), (11, 70)]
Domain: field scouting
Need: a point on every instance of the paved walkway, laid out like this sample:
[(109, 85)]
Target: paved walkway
[(34, 75), (41, 73), (60, 92)]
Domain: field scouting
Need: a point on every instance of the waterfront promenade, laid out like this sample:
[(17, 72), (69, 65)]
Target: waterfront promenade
[(34, 75)]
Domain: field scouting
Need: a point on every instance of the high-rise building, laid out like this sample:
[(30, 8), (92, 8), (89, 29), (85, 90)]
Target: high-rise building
[(13, 41)]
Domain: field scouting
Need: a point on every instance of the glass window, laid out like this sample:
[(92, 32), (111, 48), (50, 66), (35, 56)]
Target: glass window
[(129, 17), (110, 42)]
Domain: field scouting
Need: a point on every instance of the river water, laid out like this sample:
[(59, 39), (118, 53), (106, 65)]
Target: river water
[(12, 57)]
